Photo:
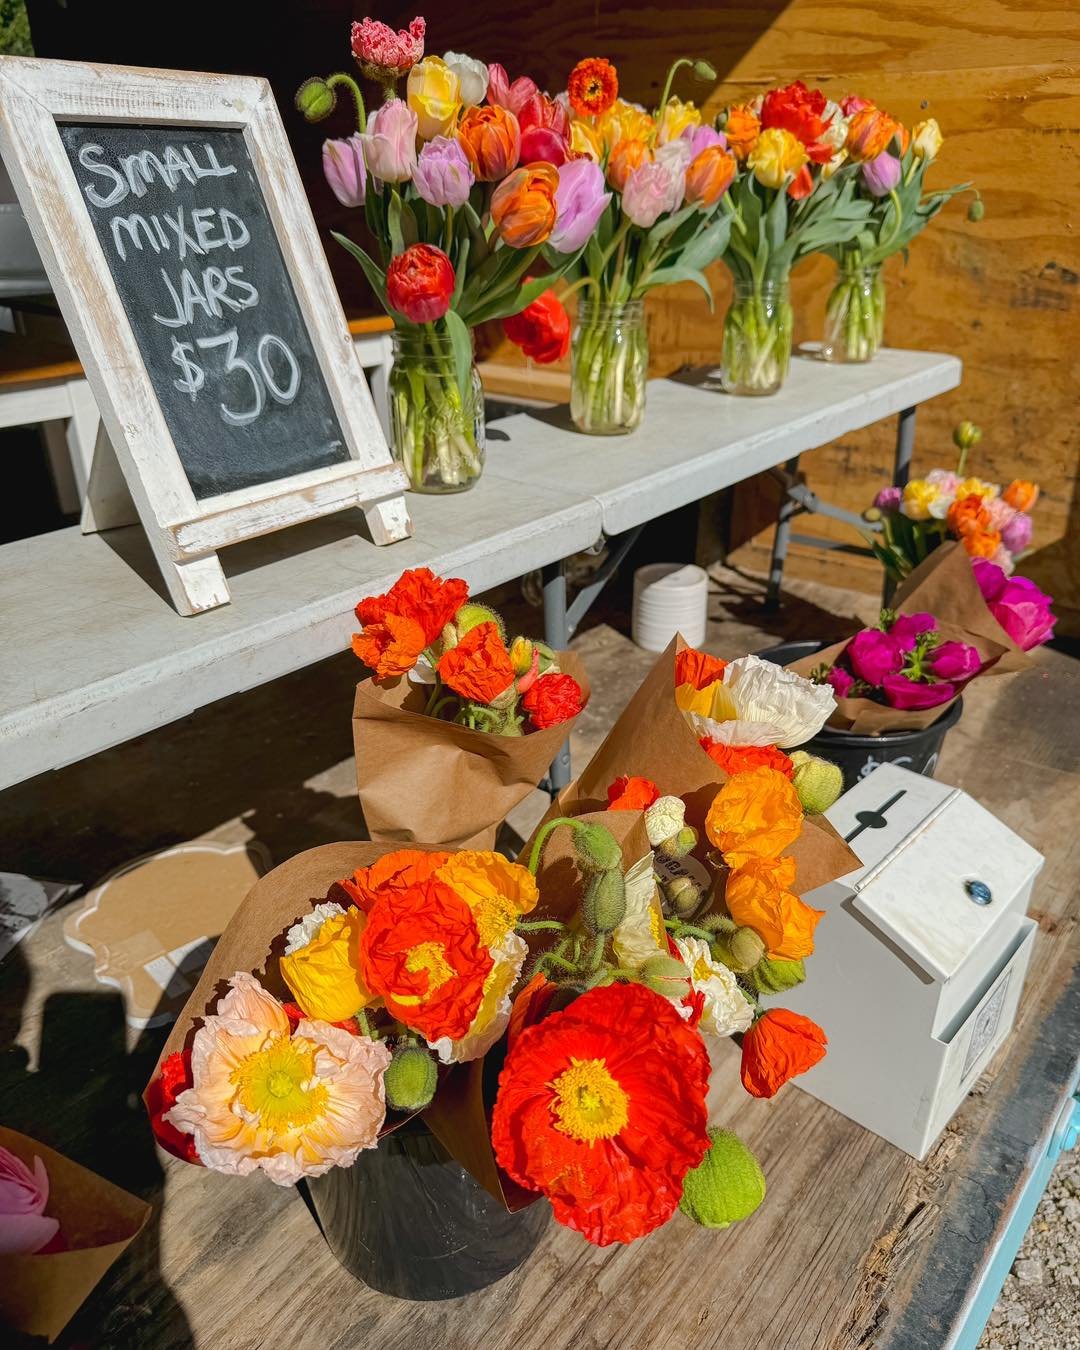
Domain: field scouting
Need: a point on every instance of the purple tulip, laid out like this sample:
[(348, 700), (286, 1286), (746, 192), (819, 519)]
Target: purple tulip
[(701, 138), (881, 175), (889, 499), (443, 175), (911, 696), (390, 142), (840, 680), (907, 628), (580, 201), (1017, 604), (343, 166), (873, 655), (1016, 533), (955, 661)]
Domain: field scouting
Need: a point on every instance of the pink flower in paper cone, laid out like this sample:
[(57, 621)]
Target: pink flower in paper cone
[(873, 655), (911, 696), (955, 661), (1017, 604), (906, 629), (840, 681), (24, 1192)]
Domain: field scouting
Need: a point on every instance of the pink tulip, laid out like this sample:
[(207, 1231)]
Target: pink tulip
[(580, 201), (390, 142), (889, 499), (513, 96), (911, 696), (24, 1225), (443, 175), (874, 655), (881, 175), (702, 138), (343, 167), (646, 194), (1016, 533)]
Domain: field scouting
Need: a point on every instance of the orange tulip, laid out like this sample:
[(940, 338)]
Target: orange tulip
[(869, 133), (491, 139), (523, 205), (625, 158), (709, 175), (741, 129), (1021, 494)]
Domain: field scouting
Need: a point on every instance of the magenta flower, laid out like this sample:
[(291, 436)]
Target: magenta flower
[(513, 96), (701, 138), (881, 175), (384, 53), (907, 628), (873, 655), (889, 499), (1017, 604), (911, 696), (580, 201), (954, 661), (390, 142), (343, 168), (840, 680), (24, 1225), (1016, 533), (443, 175), (542, 145)]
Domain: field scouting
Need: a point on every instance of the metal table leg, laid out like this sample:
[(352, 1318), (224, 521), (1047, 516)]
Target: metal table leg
[(557, 636), (905, 449), (788, 510)]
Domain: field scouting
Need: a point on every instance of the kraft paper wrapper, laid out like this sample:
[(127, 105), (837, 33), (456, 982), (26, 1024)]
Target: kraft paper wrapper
[(652, 739), (943, 585), (39, 1294), (421, 778)]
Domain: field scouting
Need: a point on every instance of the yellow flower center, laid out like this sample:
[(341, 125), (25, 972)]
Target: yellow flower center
[(429, 957), (273, 1084), (702, 971), (656, 927), (589, 1103), (495, 916)]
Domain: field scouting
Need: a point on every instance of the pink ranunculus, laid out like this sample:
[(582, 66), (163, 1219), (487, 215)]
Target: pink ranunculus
[(580, 201), (542, 145), (944, 479), (443, 175), (955, 661), (1021, 608), (906, 629), (911, 696), (840, 680), (889, 499), (512, 96), (881, 175), (390, 142), (24, 1226), (383, 52), (343, 168), (701, 138), (1016, 533), (645, 196), (873, 655)]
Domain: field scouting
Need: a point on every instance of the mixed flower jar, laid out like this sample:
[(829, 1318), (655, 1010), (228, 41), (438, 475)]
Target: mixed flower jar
[(489, 199)]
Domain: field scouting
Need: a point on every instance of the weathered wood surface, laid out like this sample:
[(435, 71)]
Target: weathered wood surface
[(856, 1244)]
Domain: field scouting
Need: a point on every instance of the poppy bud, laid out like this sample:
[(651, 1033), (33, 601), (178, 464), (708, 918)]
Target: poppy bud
[(521, 655), (704, 71), (664, 975), (740, 951), (773, 976), (726, 1186), (471, 615), (682, 896), (976, 211), (604, 905), (315, 99), (410, 1079), (679, 845), (597, 848), (818, 782)]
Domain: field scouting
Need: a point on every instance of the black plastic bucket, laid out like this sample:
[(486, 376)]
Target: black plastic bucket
[(858, 756), (410, 1221)]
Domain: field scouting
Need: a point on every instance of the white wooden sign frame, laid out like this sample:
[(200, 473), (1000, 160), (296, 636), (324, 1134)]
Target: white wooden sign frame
[(184, 532)]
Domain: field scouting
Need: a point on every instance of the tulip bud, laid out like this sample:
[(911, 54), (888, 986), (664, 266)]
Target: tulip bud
[(315, 99), (976, 210), (679, 845), (739, 951), (726, 1186), (604, 905), (818, 782), (410, 1079), (773, 976), (521, 655), (965, 435), (664, 975), (597, 848), (682, 896), (472, 615)]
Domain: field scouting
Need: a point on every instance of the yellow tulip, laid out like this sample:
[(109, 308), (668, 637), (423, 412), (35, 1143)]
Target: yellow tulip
[(323, 975), (434, 95), (675, 118), (623, 122), (585, 140), (777, 156), (926, 139)]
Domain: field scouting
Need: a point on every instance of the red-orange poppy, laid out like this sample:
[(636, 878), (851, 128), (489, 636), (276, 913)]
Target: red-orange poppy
[(402, 870), (735, 759), (697, 668), (778, 1046), (632, 794), (478, 668), (593, 86)]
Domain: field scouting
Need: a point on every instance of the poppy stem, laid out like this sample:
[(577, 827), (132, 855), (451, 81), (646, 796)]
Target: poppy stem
[(541, 839)]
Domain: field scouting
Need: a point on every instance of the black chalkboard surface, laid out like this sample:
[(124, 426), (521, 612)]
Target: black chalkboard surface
[(182, 221)]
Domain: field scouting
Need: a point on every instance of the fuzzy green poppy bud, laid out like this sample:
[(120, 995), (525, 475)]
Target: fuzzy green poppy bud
[(471, 615), (726, 1186), (682, 894), (818, 782), (410, 1079), (679, 845), (703, 70), (965, 435), (976, 210), (604, 905), (315, 99), (597, 848), (739, 951), (773, 976), (664, 975)]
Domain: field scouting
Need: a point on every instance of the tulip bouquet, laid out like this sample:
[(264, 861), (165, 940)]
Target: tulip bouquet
[(892, 164), (796, 193), (460, 225)]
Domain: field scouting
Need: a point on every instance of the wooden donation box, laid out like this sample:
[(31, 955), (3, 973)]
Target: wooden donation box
[(921, 956)]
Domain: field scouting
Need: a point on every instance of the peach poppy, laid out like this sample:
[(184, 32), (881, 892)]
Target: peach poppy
[(756, 814), (523, 205), (758, 896), (478, 668)]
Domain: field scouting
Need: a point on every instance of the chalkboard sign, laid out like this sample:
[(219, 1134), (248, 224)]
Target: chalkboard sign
[(184, 227), (174, 228)]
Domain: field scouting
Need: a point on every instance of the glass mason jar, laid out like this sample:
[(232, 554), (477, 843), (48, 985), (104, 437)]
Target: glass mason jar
[(757, 337), (609, 362), (855, 313), (437, 435)]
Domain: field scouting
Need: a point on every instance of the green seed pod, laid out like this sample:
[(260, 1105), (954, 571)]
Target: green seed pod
[(726, 1186), (818, 782), (597, 848), (664, 975), (976, 210), (604, 905), (773, 976), (410, 1079), (472, 615), (682, 895), (315, 99)]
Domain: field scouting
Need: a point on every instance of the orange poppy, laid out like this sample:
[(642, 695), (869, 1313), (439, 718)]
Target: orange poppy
[(697, 668), (478, 668), (735, 759), (632, 794), (778, 1046), (593, 86), (758, 896), (399, 625), (399, 871), (756, 814)]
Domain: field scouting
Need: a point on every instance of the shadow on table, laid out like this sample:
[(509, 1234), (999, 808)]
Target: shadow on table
[(84, 1100)]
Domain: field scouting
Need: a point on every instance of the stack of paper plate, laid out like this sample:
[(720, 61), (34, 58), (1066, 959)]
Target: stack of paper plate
[(669, 598)]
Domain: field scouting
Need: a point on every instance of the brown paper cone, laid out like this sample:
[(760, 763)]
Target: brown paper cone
[(40, 1294), (652, 739), (420, 778)]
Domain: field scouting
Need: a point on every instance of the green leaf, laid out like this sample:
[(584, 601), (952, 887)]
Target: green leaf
[(460, 268), (461, 344), (394, 222), (374, 273), (668, 276)]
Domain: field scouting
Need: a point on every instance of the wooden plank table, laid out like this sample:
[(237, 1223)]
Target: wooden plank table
[(102, 656)]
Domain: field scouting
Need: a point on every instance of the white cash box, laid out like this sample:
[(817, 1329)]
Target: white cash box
[(920, 958)]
